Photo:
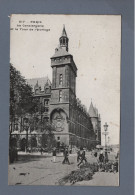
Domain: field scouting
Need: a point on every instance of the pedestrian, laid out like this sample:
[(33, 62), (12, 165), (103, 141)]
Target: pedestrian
[(101, 161), (101, 158), (54, 154), (83, 158), (115, 167), (95, 154), (66, 154), (41, 150), (78, 155)]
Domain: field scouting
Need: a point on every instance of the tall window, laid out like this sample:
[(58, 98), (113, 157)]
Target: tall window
[(46, 101), (60, 95), (61, 79), (46, 109)]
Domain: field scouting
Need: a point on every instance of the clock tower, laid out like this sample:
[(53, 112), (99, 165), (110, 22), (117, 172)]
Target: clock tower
[(63, 91)]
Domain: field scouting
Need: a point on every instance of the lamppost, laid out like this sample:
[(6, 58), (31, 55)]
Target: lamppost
[(105, 133), (109, 142)]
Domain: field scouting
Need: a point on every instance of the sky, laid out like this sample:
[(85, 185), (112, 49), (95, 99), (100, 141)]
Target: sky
[(94, 42)]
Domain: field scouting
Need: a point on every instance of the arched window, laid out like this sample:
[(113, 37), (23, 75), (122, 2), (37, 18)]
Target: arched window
[(61, 79)]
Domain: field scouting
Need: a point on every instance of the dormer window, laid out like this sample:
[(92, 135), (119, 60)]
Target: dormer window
[(61, 79), (36, 91), (47, 90)]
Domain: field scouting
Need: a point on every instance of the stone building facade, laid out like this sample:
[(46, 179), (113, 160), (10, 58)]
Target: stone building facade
[(74, 126)]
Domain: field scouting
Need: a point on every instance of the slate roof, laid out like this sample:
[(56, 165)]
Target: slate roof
[(60, 52), (41, 82)]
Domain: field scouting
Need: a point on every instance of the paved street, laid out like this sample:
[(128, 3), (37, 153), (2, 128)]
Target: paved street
[(42, 171)]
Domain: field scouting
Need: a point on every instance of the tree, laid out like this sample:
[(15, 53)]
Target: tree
[(48, 138), (21, 95), (24, 106)]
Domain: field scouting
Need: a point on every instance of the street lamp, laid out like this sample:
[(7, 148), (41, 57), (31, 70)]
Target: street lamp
[(108, 140), (105, 133)]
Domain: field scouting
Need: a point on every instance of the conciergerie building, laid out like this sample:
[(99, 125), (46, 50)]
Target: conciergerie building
[(74, 126)]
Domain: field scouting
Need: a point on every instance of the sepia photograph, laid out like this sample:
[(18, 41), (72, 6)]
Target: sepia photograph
[(64, 124)]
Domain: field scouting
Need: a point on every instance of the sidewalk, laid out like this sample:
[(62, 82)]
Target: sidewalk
[(102, 179), (39, 169), (45, 154)]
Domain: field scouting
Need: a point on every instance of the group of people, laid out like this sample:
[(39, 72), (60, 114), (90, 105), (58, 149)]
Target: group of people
[(100, 156), (65, 154), (80, 156), (104, 163)]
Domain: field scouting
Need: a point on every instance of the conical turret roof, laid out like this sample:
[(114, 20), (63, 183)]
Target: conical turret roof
[(92, 111), (64, 34), (48, 83)]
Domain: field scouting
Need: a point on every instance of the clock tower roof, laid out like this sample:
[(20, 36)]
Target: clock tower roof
[(60, 52)]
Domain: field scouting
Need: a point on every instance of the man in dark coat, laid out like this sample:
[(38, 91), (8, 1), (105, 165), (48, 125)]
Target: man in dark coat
[(83, 158), (66, 154)]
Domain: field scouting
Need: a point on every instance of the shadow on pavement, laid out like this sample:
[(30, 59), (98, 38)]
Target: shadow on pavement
[(23, 161)]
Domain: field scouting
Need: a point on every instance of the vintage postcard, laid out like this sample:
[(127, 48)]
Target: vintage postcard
[(64, 100)]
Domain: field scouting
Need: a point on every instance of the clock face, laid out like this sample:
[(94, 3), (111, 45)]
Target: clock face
[(59, 120)]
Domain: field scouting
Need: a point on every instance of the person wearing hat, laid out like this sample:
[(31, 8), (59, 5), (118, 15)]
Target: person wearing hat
[(66, 154), (83, 158)]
